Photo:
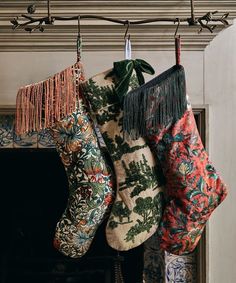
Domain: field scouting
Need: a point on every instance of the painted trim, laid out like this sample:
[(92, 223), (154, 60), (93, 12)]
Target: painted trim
[(202, 111)]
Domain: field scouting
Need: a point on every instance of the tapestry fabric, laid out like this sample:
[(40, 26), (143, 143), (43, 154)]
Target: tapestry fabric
[(193, 187), (90, 183), (137, 208)]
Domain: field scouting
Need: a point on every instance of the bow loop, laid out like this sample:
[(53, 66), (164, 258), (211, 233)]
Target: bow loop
[(123, 71)]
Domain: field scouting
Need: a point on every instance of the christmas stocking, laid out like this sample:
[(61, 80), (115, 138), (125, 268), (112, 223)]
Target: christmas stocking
[(137, 208), (193, 187), (90, 183), (56, 104)]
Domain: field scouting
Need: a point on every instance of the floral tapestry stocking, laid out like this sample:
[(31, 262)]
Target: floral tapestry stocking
[(137, 208), (56, 104), (90, 183), (193, 187)]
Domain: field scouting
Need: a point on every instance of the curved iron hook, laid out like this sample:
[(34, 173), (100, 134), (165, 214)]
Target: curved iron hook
[(127, 29), (78, 25), (177, 28)]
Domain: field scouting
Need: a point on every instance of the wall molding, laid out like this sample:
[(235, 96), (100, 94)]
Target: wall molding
[(201, 113), (104, 36)]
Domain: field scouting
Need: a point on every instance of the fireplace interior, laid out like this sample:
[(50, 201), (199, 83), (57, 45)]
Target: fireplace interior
[(34, 194)]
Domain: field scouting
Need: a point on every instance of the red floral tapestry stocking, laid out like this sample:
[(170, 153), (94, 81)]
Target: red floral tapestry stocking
[(193, 188)]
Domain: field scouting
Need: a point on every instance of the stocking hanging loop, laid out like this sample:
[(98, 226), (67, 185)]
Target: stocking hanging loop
[(79, 41), (177, 28), (128, 50), (127, 42), (177, 44)]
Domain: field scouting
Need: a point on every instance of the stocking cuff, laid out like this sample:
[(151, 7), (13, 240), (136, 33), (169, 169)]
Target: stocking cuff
[(155, 104)]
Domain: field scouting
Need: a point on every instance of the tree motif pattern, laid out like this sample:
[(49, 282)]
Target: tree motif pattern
[(133, 178), (135, 167), (147, 208)]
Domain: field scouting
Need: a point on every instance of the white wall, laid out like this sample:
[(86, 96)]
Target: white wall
[(19, 69), (220, 94)]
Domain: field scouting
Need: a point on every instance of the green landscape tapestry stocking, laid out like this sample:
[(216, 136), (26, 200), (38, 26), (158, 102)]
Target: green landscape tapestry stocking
[(90, 183), (193, 188), (137, 209)]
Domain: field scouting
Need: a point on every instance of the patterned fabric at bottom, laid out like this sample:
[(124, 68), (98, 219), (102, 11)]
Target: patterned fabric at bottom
[(193, 187), (90, 184)]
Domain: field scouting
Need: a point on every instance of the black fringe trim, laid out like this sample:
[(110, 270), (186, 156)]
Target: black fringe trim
[(155, 104)]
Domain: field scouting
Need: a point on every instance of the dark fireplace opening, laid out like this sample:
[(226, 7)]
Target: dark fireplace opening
[(34, 192)]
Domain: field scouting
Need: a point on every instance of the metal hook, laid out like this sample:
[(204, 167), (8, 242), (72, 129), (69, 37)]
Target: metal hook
[(177, 28), (78, 25), (79, 41), (127, 29)]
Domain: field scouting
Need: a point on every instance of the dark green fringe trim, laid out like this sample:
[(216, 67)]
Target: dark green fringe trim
[(155, 104)]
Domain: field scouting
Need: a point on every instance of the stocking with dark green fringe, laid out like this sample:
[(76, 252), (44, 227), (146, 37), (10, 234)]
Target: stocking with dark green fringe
[(159, 110)]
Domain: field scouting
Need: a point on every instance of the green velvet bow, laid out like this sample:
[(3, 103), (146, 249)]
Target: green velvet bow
[(123, 71)]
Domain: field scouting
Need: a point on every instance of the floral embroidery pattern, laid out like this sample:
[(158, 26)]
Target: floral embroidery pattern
[(193, 187), (90, 184)]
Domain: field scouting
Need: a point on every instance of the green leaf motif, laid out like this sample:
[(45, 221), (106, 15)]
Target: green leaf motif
[(140, 175), (137, 229), (201, 184), (110, 113), (176, 247), (178, 137), (213, 176), (185, 168), (210, 168), (195, 152), (211, 201), (149, 212), (174, 231), (121, 211), (136, 191), (99, 97), (118, 147), (113, 224), (192, 194)]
